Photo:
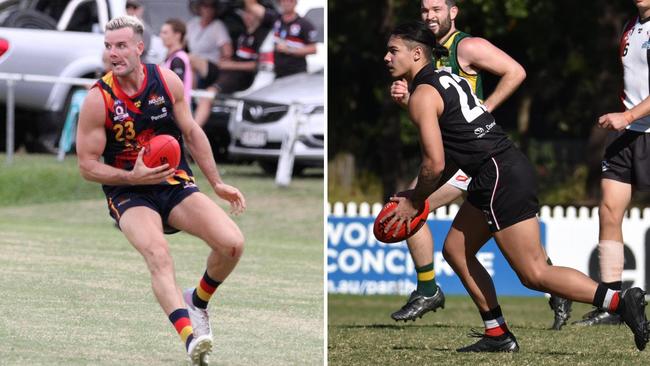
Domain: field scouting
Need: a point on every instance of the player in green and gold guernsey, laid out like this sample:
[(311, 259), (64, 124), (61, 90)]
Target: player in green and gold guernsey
[(128, 106), (468, 57), (451, 64)]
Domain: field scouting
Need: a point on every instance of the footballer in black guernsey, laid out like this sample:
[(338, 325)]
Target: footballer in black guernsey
[(470, 134)]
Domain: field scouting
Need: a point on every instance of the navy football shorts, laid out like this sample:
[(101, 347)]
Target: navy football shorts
[(627, 158), (160, 198), (505, 189)]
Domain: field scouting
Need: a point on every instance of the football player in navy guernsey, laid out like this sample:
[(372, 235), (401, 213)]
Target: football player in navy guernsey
[(502, 196), (468, 57), (122, 111), (625, 164)]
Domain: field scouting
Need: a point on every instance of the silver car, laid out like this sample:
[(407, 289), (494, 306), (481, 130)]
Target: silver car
[(264, 118)]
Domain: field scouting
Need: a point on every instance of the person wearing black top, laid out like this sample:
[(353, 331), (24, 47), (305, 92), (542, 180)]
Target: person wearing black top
[(239, 72), (295, 37)]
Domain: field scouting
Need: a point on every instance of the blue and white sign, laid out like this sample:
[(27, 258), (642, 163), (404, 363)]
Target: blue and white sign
[(359, 264)]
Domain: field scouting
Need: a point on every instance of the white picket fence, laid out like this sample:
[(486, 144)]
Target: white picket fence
[(365, 209), (571, 234)]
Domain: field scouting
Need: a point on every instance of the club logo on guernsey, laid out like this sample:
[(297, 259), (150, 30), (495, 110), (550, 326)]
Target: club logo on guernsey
[(156, 100), (120, 111), (294, 30), (604, 166), (480, 132)]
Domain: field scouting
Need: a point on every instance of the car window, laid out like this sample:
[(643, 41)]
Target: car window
[(84, 17), (317, 17), (52, 8)]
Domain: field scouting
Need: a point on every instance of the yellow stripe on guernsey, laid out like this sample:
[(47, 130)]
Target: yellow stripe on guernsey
[(108, 79), (426, 276), (185, 332), (202, 294), (453, 66)]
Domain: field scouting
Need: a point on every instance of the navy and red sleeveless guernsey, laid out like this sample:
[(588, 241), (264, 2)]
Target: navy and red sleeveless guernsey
[(131, 120), (469, 133)]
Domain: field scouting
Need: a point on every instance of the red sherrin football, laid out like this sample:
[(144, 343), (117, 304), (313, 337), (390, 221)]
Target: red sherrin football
[(162, 149), (416, 223)]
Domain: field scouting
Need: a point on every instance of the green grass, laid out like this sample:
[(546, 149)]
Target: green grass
[(361, 332), (74, 292)]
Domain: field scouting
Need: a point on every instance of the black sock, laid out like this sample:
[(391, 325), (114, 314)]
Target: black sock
[(616, 285)]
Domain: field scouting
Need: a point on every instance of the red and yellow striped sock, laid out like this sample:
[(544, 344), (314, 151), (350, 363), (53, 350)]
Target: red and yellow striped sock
[(204, 291), (181, 321)]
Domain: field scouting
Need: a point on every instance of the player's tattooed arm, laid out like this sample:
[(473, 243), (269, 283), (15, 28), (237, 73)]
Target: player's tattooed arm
[(425, 119)]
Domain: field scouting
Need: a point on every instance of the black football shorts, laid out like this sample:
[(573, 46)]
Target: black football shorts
[(505, 189), (160, 198), (627, 158)]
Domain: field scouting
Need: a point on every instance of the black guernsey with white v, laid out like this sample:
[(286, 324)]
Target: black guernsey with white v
[(469, 132), (504, 184)]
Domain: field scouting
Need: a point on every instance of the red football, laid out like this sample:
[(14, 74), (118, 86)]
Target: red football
[(416, 223), (162, 149)]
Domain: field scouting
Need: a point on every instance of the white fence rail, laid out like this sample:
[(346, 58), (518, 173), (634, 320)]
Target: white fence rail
[(12, 78)]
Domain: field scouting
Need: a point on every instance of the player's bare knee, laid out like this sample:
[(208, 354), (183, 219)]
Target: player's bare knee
[(451, 255), (533, 278), (237, 245), (609, 214), (230, 247), (158, 259)]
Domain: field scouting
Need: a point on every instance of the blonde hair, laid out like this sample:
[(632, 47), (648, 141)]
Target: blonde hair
[(126, 21)]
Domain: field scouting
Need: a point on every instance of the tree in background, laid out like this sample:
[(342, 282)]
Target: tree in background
[(568, 48)]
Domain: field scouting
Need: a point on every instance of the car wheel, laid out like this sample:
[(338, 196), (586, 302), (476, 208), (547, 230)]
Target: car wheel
[(31, 19)]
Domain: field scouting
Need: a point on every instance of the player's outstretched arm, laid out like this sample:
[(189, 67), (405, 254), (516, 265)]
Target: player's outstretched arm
[(197, 142), (480, 54), (91, 141)]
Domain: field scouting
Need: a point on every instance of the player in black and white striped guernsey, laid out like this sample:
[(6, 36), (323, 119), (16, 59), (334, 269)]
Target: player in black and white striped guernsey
[(625, 164)]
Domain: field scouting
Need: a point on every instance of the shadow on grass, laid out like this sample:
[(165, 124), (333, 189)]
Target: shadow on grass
[(396, 326), (423, 348)]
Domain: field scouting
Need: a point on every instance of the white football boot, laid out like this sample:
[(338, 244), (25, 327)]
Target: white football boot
[(199, 349), (199, 317)]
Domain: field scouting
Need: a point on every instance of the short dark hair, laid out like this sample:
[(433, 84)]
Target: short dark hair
[(450, 3), (133, 4), (416, 32), (178, 26)]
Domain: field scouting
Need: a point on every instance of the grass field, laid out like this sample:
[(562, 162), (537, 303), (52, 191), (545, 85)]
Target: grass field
[(74, 292), (361, 332)]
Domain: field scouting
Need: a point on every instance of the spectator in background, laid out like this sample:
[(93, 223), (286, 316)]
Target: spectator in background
[(172, 34), (295, 37), (136, 9), (208, 38), (237, 74)]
